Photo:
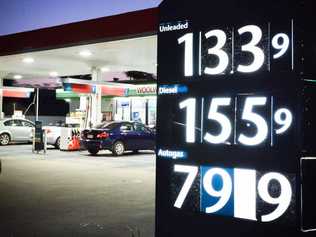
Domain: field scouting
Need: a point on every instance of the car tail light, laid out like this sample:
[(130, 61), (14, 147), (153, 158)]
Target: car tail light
[(103, 135)]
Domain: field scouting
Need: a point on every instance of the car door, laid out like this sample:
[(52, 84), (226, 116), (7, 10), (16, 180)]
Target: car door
[(145, 138), (8, 126), (26, 130), (16, 128), (129, 136)]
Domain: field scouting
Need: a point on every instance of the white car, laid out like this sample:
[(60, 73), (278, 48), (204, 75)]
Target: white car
[(53, 133), (15, 130)]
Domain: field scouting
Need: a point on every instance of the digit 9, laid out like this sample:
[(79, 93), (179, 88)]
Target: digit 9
[(283, 200)]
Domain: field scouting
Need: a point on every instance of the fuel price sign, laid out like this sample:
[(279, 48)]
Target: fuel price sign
[(235, 119)]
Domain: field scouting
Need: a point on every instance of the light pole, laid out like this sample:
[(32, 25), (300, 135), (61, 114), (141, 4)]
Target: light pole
[(37, 103), (96, 99)]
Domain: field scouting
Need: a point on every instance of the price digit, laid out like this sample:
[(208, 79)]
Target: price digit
[(192, 172), (221, 119), (245, 195), (252, 47), (187, 39), (190, 104), (283, 201), (218, 51), (260, 123), (284, 118), (283, 47), (223, 194)]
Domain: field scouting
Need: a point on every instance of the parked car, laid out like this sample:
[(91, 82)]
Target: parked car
[(53, 132), (15, 130), (118, 137)]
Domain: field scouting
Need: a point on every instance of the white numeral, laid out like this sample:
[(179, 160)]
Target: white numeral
[(260, 123), (245, 196), (280, 42), (221, 119), (283, 46), (190, 104), (188, 53), (285, 121), (217, 50), (192, 172), (223, 194), (251, 47), (283, 201)]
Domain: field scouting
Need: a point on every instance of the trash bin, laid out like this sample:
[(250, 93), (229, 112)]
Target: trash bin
[(39, 138)]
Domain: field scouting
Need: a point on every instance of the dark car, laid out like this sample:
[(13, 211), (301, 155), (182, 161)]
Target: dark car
[(118, 137)]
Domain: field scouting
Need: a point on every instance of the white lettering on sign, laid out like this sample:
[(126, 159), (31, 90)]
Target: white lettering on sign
[(172, 154), (168, 90), (172, 27)]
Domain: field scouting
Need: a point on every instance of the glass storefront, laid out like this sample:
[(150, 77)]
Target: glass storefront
[(138, 105), (152, 111), (122, 109), (142, 109)]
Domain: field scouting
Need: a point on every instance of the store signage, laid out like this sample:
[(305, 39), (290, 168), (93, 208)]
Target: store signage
[(230, 92), (16, 94), (79, 88), (143, 90), (146, 89)]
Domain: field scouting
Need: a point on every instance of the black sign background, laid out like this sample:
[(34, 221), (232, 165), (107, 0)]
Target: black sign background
[(276, 78)]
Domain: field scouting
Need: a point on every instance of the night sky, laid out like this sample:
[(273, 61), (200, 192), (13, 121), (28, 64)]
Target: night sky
[(24, 15)]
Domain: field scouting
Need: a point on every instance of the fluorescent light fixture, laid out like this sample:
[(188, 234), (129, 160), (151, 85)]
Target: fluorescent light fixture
[(28, 60), (85, 53), (53, 74), (17, 77), (105, 69)]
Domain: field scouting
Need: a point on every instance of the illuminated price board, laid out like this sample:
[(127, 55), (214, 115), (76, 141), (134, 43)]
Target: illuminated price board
[(235, 119)]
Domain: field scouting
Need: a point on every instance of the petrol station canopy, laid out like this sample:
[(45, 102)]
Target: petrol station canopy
[(113, 44)]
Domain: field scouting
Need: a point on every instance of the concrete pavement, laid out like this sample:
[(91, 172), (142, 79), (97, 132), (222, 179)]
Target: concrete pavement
[(75, 194)]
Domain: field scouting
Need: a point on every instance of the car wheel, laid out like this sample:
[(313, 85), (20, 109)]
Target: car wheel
[(4, 139), (57, 143), (118, 148), (93, 151)]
